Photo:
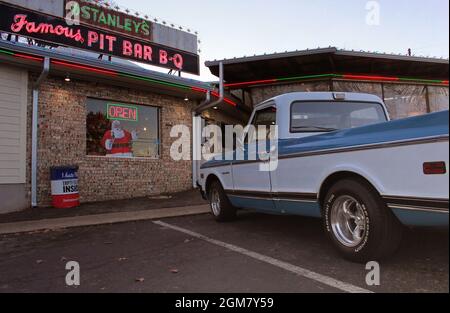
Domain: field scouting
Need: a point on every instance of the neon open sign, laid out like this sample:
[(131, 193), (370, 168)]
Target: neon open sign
[(122, 112)]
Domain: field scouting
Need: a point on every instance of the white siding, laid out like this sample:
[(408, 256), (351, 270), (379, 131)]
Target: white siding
[(13, 123)]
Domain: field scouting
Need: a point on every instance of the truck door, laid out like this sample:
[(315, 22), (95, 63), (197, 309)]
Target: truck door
[(252, 186)]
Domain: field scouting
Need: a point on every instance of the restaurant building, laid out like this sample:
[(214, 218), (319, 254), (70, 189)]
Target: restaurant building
[(83, 102), (67, 104)]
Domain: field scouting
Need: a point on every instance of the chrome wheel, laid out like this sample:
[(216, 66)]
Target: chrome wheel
[(348, 221), (215, 202)]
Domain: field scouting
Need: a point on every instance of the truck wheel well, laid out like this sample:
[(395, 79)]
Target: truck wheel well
[(211, 178), (334, 178)]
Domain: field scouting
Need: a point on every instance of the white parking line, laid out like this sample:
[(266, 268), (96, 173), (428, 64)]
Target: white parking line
[(326, 280)]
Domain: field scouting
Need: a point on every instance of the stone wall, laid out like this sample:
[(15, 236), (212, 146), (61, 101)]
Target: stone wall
[(62, 141), (263, 93), (402, 100)]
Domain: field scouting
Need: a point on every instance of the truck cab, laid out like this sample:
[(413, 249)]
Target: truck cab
[(337, 156)]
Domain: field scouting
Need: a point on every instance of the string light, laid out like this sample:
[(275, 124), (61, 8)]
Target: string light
[(112, 5)]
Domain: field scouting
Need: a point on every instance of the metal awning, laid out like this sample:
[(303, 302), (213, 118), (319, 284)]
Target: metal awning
[(329, 60), (87, 67), (92, 69)]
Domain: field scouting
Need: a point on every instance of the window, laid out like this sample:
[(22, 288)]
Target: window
[(122, 130), (405, 101), (438, 98), (265, 117), (358, 87), (329, 116)]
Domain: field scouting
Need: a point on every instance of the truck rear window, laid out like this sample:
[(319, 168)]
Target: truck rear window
[(330, 116)]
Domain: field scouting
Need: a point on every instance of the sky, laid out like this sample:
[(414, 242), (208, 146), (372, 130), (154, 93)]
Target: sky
[(236, 28)]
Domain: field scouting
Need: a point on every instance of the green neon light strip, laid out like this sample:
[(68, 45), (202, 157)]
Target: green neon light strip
[(423, 80), (184, 87), (354, 77), (155, 81), (6, 52), (307, 77), (129, 76), (298, 78)]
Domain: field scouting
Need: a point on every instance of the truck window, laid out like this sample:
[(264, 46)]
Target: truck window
[(264, 117), (331, 116)]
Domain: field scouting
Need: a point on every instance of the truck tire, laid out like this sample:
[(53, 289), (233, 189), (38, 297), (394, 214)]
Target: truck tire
[(221, 207), (360, 225)]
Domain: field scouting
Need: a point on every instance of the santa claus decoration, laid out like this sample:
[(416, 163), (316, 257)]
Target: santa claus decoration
[(118, 142)]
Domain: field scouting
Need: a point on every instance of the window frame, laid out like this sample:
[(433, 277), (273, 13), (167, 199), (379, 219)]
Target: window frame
[(159, 131), (254, 114), (292, 131)]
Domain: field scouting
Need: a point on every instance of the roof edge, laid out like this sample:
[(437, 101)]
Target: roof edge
[(332, 50), (23, 48), (271, 56)]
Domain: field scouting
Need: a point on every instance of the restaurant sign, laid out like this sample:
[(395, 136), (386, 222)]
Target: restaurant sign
[(122, 112), (93, 14), (55, 30)]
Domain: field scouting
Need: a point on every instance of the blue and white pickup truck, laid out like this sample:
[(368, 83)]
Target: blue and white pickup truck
[(339, 158)]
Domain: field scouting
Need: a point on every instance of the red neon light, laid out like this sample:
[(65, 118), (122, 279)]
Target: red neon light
[(364, 77), (256, 82), (199, 89), (215, 94), (344, 76), (226, 100), (29, 57), (21, 22), (93, 69), (122, 112), (82, 67)]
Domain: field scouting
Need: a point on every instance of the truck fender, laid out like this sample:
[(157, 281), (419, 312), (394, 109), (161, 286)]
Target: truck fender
[(348, 170), (212, 175)]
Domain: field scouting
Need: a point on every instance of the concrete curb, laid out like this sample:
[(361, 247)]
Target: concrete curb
[(99, 219)]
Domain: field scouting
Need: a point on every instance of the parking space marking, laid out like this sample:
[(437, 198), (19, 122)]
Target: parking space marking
[(326, 280)]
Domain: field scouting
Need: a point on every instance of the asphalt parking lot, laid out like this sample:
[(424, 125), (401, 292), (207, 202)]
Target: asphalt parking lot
[(257, 253)]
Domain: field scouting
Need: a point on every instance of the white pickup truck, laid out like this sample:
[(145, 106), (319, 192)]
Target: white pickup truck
[(340, 158)]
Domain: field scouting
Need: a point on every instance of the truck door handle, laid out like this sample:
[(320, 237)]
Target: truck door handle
[(265, 156)]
